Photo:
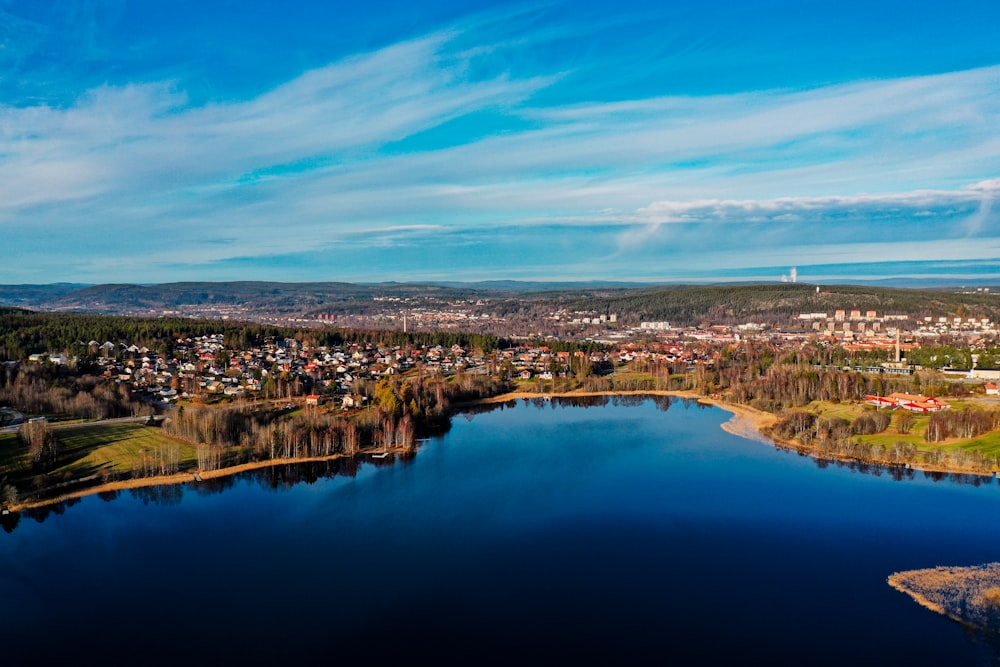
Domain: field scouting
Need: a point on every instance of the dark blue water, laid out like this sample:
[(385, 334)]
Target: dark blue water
[(623, 533)]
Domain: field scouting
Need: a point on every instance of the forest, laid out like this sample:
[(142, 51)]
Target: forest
[(402, 411), (61, 391)]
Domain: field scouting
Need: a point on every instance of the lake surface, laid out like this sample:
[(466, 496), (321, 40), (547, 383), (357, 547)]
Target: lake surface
[(625, 532)]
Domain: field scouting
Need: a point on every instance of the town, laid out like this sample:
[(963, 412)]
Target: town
[(205, 367), (227, 392)]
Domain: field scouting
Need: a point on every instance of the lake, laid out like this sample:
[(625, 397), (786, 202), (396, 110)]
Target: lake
[(632, 530)]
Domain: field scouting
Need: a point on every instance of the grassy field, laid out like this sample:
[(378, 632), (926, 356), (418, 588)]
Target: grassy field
[(829, 410), (987, 444), (889, 438), (87, 449), (117, 446), (851, 411), (10, 455)]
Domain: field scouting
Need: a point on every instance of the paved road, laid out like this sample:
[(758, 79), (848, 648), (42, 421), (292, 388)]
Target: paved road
[(11, 416)]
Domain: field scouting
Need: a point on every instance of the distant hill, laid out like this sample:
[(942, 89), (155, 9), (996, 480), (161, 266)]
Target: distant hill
[(520, 286), (119, 298), (680, 304), (20, 295), (686, 304)]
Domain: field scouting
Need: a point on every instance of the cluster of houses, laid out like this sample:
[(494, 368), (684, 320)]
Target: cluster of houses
[(911, 402), (530, 361), (935, 326), (57, 359), (670, 354), (286, 367), (205, 365)]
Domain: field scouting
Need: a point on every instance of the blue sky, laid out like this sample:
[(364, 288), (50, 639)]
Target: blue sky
[(667, 141)]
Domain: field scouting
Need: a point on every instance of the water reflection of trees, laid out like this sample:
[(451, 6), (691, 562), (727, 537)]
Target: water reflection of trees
[(599, 401), (9, 521), (471, 411), (662, 403), (593, 401), (630, 400), (958, 478), (165, 494), (108, 496), (40, 514), (285, 476), (273, 478), (484, 408), (901, 473)]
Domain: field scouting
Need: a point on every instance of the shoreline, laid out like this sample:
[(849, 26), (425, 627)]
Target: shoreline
[(746, 422), (894, 581), (194, 476), (965, 594)]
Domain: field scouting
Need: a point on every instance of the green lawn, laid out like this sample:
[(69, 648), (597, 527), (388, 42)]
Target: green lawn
[(889, 439), (85, 450), (10, 455), (115, 446), (988, 444)]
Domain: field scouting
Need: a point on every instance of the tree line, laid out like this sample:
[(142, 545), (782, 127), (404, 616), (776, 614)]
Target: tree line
[(400, 411), (57, 390)]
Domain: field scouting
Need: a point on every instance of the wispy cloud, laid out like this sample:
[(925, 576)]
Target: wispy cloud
[(814, 209), (322, 159)]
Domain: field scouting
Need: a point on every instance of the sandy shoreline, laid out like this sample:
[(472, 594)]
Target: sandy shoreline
[(746, 422)]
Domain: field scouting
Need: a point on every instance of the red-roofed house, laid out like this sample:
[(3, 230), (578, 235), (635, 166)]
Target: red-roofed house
[(911, 402)]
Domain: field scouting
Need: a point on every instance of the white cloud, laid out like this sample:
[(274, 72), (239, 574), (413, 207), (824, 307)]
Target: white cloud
[(117, 141), (991, 185), (803, 208), (305, 164)]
